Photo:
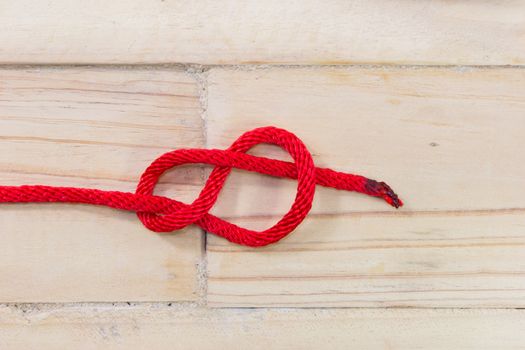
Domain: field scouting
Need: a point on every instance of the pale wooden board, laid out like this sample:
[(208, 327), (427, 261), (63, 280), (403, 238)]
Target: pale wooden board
[(95, 128), (161, 327), (450, 141), (272, 31)]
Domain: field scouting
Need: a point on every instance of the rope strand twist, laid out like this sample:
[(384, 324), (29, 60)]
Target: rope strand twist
[(161, 214)]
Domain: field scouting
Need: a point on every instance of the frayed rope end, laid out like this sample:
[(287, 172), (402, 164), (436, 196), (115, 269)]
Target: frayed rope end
[(381, 189)]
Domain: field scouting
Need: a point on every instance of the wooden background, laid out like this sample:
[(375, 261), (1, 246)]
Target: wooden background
[(426, 95)]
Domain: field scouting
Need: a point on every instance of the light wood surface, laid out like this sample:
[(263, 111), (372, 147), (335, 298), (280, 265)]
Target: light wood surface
[(448, 140), (271, 31), (94, 128), (164, 327)]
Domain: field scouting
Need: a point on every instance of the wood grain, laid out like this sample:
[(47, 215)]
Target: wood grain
[(94, 128), (146, 327), (274, 32), (449, 140)]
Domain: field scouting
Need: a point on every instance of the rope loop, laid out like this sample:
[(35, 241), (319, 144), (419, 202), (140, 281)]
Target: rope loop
[(179, 217)]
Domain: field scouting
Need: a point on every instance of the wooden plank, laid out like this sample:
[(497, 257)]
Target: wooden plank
[(439, 260), (143, 327), (448, 140), (94, 128), (274, 32)]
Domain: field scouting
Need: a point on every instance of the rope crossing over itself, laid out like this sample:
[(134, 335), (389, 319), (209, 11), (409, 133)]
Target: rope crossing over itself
[(161, 214)]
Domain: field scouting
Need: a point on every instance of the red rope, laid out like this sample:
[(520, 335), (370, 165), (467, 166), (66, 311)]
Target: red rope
[(161, 214)]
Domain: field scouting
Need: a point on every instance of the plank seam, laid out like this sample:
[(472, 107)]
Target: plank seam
[(46, 307), (200, 76), (202, 68)]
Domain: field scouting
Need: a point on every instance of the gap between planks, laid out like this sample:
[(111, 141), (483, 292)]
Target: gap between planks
[(200, 68)]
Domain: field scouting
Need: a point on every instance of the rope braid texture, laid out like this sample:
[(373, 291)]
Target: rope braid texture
[(161, 214)]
